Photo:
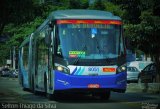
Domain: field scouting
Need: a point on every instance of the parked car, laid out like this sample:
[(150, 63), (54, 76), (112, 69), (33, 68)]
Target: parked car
[(13, 73), (132, 74), (1, 71), (140, 65), (5, 72), (148, 74)]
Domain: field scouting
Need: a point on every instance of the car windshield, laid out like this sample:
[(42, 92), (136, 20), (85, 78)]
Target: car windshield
[(89, 41)]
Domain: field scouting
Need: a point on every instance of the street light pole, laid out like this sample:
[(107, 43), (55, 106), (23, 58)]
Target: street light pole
[(14, 54)]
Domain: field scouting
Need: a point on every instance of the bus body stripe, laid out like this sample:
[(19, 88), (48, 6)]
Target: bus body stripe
[(74, 71), (78, 71)]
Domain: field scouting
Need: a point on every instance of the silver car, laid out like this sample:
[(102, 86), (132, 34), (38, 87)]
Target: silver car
[(132, 74)]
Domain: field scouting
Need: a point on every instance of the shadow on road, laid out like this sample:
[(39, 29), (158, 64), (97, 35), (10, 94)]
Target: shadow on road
[(115, 97), (81, 98), (10, 88)]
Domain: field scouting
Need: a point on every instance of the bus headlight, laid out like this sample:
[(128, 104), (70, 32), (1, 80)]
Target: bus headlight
[(122, 68), (62, 68)]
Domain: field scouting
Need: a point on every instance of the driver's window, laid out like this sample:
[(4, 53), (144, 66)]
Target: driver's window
[(147, 68)]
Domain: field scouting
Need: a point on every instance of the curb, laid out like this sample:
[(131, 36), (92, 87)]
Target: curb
[(8, 78)]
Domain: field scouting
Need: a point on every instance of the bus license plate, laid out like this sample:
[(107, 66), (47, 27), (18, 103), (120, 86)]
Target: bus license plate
[(93, 86)]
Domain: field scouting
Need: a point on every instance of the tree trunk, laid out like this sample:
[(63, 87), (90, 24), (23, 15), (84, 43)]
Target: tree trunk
[(157, 61), (2, 27)]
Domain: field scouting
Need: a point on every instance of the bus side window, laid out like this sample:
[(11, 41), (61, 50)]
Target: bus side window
[(42, 51), (25, 54), (47, 33)]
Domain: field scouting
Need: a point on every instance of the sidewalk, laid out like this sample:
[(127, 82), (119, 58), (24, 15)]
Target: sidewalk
[(144, 87)]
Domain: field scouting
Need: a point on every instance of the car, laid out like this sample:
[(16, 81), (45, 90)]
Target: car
[(5, 72), (13, 73), (132, 74), (148, 74), (1, 71), (140, 65)]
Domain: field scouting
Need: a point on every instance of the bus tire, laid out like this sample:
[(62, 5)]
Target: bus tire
[(105, 95), (48, 95), (23, 88), (35, 92), (33, 87), (45, 84)]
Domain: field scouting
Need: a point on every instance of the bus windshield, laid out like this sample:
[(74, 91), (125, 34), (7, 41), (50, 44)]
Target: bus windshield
[(89, 39)]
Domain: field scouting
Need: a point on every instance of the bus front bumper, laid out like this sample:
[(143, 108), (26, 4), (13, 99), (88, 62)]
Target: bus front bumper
[(115, 82)]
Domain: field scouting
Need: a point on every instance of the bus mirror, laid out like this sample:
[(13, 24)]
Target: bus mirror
[(51, 24)]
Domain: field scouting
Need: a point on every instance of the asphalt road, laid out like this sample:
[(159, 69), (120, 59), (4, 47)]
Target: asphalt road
[(12, 96)]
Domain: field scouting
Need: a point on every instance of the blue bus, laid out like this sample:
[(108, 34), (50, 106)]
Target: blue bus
[(79, 51)]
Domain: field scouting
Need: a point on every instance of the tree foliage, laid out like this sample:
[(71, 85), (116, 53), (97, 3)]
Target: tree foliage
[(145, 35), (16, 11), (78, 4), (98, 5)]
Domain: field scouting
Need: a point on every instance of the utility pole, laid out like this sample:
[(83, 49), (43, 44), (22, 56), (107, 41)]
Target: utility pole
[(14, 57)]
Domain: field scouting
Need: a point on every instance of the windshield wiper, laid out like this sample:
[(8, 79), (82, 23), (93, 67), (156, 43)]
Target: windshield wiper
[(78, 58)]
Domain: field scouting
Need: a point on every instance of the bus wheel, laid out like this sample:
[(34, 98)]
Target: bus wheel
[(50, 96), (33, 87), (34, 90), (105, 95), (23, 88), (45, 84)]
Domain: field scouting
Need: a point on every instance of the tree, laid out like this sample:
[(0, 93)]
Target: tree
[(15, 11), (78, 4), (146, 35), (98, 5), (132, 10), (18, 33), (115, 9)]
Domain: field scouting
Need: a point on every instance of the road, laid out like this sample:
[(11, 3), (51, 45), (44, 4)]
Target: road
[(12, 95)]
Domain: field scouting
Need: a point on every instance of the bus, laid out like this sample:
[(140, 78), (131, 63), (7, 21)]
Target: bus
[(77, 51)]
